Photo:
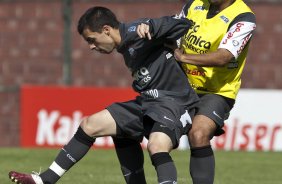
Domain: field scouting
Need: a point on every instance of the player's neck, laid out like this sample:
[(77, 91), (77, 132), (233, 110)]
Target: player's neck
[(116, 36), (217, 8)]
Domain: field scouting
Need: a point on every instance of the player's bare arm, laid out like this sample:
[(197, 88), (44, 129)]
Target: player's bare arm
[(218, 58)]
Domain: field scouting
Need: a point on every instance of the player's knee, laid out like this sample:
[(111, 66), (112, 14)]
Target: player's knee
[(155, 147), (198, 137), (84, 125), (159, 142), (88, 127)]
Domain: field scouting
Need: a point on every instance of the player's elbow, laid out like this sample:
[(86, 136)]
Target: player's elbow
[(221, 62), (223, 57)]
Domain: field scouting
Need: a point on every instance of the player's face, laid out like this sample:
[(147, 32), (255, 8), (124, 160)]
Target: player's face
[(100, 42)]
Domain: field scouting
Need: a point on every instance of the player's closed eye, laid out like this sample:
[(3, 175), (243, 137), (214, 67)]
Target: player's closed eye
[(91, 40)]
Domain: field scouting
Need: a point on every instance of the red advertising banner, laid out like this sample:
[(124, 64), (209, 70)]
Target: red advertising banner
[(50, 115)]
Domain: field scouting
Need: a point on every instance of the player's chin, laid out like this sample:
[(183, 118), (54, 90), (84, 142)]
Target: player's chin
[(106, 51)]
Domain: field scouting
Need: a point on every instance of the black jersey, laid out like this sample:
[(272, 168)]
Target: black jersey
[(154, 69)]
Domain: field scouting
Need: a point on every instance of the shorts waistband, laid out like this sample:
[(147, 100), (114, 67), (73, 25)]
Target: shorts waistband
[(155, 93)]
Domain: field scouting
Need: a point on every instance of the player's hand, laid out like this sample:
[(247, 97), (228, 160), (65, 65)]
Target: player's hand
[(143, 31), (178, 54)]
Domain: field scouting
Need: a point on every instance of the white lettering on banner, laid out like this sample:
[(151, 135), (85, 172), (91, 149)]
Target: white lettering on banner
[(250, 137), (47, 123), (45, 127)]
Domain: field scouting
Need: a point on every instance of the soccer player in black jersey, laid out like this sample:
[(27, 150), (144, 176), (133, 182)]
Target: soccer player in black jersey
[(162, 112), (213, 61)]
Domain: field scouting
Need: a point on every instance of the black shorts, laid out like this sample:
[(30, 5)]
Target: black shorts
[(138, 118), (215, 107)]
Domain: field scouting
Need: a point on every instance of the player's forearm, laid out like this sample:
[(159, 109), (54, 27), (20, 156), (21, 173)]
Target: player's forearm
[(202, 60), (218, 58)]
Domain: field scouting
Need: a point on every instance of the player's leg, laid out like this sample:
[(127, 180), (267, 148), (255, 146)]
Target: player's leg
[(131, 158), (159, 146), (161, 140), (128, 116), (99, 124), (202, 163), (165, 122), (212, 111)]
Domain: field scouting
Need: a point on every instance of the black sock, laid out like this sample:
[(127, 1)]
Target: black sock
[(70, 154), (164, 165), (202, 165), (131, 158)]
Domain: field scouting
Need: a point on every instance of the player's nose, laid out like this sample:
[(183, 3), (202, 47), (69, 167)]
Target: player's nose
[(92, 46)]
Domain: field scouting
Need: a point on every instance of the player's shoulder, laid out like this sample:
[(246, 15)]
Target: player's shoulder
[(129, 29), (186, 8), (246, 14), (247, 17), (188, 5)]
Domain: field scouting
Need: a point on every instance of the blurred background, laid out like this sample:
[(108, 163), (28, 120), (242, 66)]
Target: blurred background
[(39, 46)]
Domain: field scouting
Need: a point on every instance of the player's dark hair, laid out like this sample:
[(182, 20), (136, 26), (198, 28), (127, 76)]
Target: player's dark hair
[(95, 18)]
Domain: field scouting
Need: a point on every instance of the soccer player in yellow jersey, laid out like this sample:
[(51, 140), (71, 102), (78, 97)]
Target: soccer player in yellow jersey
[(213, 54)]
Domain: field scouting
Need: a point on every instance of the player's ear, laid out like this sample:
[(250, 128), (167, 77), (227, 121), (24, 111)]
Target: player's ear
[(106, 29)]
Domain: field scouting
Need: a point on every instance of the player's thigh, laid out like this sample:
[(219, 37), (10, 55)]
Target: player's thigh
[(166, 116), (215, 107), (202, 131), (212, 110), (128, 116), (99, 124)]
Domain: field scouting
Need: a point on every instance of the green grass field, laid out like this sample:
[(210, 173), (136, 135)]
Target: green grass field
[(101, 166)]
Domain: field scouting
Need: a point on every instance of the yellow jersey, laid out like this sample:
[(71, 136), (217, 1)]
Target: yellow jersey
[(231, 29)]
